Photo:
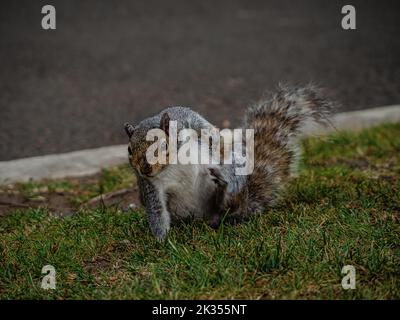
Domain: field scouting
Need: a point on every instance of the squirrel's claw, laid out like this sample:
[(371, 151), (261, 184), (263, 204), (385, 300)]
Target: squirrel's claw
[(217, 177)]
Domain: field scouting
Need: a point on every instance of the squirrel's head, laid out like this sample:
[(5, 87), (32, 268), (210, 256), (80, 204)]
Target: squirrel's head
[(138, 146)]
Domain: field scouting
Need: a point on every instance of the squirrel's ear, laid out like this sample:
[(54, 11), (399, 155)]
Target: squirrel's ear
[(164, 123), (129, 129)]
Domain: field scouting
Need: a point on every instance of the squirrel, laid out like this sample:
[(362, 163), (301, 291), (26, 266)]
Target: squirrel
[(213, 192)]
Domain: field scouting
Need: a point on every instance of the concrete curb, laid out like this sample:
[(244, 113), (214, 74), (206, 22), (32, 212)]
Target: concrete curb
[(71, 164), (91, 161)]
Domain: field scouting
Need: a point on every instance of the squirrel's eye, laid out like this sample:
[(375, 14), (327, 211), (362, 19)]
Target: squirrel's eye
[(129, 150)]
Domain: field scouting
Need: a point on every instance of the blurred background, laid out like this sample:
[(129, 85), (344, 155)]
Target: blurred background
[(109, 62)]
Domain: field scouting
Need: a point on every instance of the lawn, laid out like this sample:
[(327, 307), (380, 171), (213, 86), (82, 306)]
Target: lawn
[(342, 209)]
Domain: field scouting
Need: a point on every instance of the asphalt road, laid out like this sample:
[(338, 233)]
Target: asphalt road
[(117, 61)]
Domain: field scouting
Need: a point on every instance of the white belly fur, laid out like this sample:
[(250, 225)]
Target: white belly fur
[(190, 183)]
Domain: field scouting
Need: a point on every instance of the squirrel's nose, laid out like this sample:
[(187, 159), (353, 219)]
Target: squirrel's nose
[(146, 169)]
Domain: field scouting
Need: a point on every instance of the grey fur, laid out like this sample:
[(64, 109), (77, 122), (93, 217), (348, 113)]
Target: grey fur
[(278, 122), (159, 221)]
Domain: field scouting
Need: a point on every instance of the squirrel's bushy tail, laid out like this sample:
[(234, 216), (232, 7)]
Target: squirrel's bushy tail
[(277, 123)]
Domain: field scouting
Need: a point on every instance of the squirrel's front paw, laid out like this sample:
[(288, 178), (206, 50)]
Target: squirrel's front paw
[(217, 177), (159, 233), (159, 224), (220, 190)]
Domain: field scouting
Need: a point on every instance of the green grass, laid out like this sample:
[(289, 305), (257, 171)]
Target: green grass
[(343, 209)]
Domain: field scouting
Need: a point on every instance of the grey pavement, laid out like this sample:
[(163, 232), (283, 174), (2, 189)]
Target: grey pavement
[(110, 62)]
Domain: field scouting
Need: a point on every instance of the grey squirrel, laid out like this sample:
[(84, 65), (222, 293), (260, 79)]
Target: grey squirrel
[(171, 192)]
